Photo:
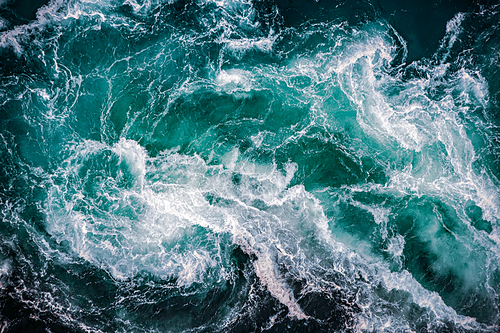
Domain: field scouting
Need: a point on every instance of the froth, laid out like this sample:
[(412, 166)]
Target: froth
[(167, 226)]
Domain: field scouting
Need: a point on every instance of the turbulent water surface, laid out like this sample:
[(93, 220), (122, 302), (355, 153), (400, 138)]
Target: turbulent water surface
[(249, 166)]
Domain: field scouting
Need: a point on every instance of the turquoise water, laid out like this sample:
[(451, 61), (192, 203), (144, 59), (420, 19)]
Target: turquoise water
[(249, 166)]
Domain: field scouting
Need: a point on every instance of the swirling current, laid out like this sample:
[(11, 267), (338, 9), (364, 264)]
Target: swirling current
[(249, 166)]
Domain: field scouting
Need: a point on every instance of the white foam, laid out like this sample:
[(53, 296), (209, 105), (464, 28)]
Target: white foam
[(396, 246), (380, 215), (235, 80), (264, 268), (420, 124), (135, 156), (453, 29), (240, 46), (140, 229), (4, 24), (5, 270)]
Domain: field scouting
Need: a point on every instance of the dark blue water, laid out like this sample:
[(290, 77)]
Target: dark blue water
[(249, 166)]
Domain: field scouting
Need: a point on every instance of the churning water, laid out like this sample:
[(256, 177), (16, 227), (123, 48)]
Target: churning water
[(248, 166)]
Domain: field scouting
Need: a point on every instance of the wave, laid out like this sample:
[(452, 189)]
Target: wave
[(216, 166)]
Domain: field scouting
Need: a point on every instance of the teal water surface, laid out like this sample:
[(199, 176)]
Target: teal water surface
[(249, 166)]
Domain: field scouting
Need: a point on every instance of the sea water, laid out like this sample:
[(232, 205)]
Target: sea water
[(249, 166)]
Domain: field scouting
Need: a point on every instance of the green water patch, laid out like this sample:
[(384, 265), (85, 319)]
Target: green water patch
[(323, 161), (475, 214), (428, 238), (442, 254), (212, 123)]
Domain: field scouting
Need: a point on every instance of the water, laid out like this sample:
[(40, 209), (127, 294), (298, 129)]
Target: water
[(249, 166)]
